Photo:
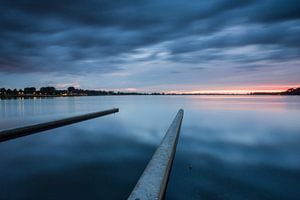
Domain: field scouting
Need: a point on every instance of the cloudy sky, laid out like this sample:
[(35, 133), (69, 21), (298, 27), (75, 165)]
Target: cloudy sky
[(150, 45)]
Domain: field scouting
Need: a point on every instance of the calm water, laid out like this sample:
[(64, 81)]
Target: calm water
[(230, 147)]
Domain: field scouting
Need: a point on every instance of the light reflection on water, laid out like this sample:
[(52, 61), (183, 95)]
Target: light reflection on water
[(230, 147)]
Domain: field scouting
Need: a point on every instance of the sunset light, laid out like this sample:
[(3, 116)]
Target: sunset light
[(149, 99)]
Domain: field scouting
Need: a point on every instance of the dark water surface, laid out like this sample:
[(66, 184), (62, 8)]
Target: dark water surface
[(230, 147)]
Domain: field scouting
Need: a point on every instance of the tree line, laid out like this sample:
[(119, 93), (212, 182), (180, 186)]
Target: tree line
[(72, 91), (52, 91)]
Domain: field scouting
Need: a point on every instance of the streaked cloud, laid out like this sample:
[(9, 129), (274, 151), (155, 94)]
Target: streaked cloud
[(149, 44)]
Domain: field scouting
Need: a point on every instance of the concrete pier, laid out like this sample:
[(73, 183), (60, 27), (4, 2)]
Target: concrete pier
[(28, 130), (153, 182)]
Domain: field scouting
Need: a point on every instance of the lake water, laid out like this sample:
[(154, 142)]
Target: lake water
[(230, 147)]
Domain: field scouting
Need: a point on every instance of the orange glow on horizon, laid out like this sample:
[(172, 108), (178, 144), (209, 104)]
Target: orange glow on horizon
[(239, 90)]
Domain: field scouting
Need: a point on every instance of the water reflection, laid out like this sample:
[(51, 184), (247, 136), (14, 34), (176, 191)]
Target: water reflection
[(231, 147)]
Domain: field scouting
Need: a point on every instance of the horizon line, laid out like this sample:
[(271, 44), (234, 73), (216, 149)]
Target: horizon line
[(247, 90)]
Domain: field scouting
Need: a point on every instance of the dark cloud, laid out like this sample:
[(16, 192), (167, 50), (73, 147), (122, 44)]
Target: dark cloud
[(275, 10), (73, 36)]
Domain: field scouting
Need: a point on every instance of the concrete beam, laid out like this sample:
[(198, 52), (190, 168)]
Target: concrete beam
[(153, 182), (28, 130)]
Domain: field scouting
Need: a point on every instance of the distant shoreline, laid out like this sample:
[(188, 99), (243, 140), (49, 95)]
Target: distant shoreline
[(55, 96), (48, 92)]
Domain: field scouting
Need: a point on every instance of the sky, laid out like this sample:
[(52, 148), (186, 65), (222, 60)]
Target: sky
[(151, 45)]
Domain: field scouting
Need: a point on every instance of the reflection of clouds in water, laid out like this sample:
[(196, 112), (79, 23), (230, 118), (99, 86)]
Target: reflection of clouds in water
[(205, 176), (224, 151), (75, 163), (244, 144)]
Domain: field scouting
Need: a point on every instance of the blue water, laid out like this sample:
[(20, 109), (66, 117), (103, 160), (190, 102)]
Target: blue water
[(230, 147)]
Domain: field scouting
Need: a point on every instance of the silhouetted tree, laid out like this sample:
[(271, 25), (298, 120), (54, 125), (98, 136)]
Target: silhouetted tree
[(9, 91), (2, 91), (15, 92), (29, 90), (71, 89), (48, 90), (292, 91)]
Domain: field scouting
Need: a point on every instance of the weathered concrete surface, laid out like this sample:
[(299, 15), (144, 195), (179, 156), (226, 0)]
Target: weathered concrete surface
[(153, 182), (27, 130)]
